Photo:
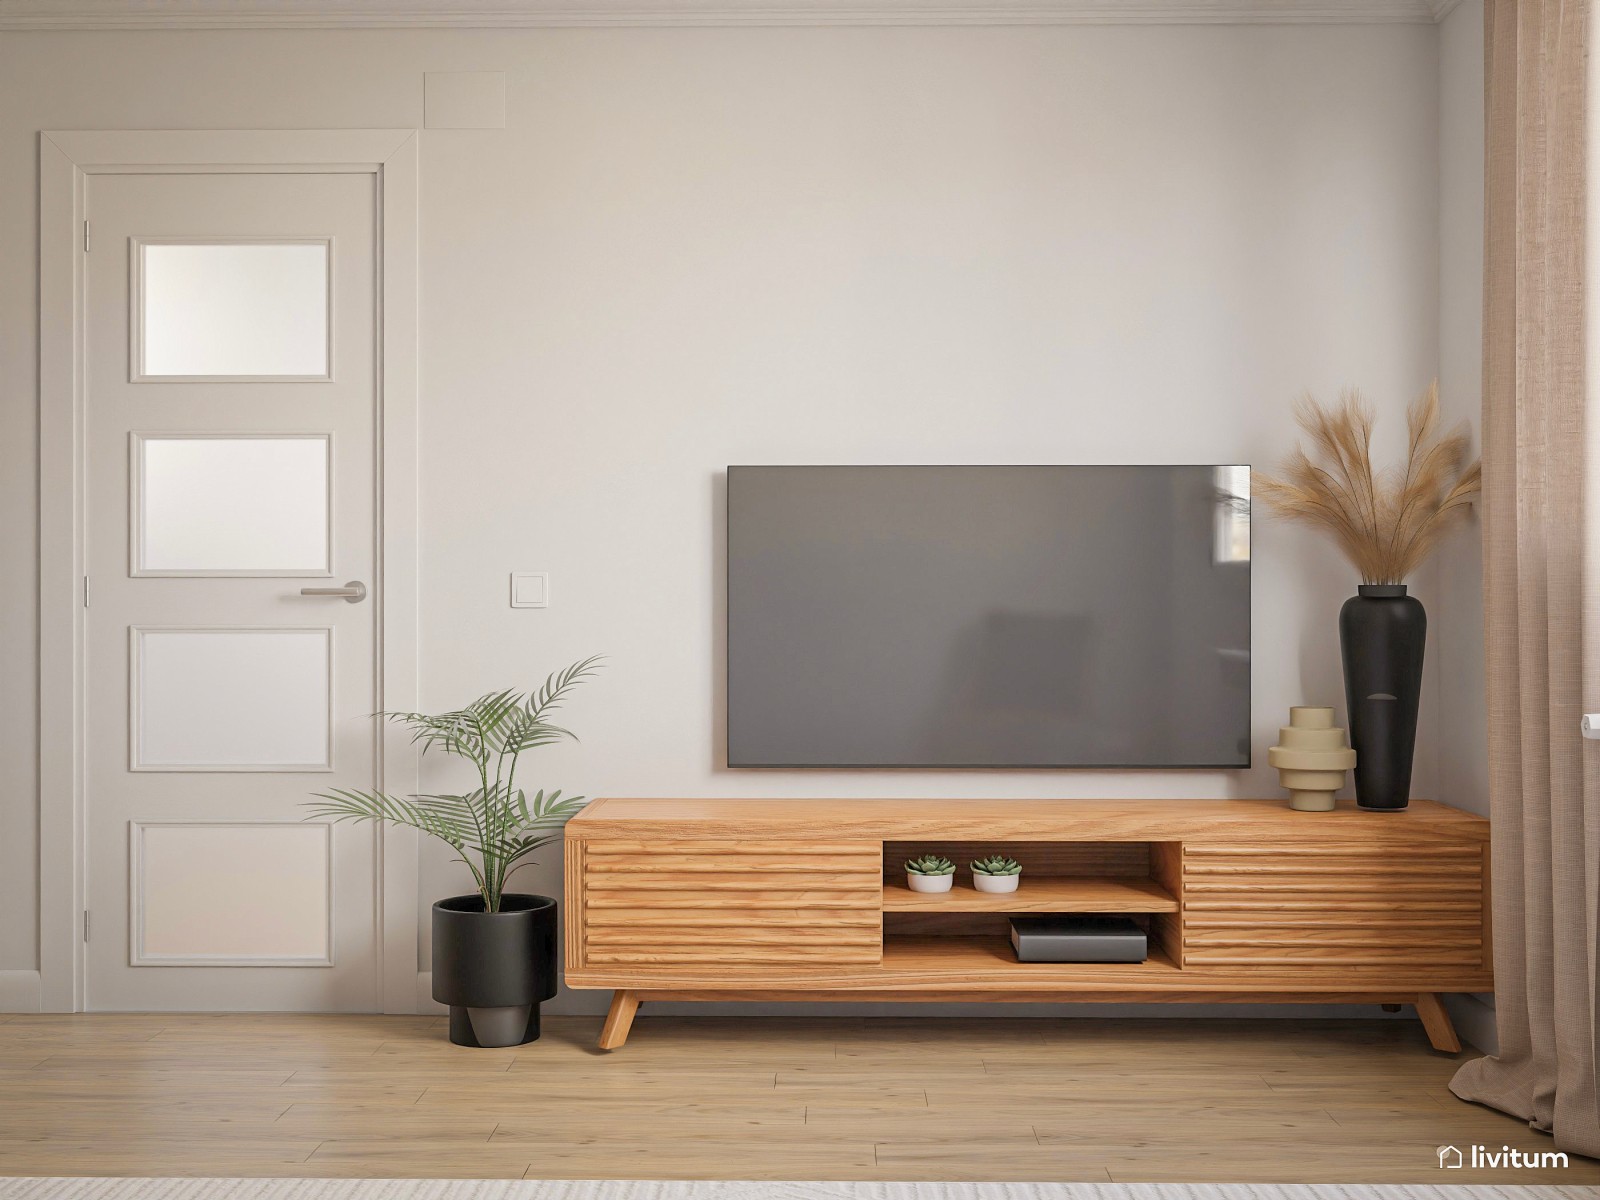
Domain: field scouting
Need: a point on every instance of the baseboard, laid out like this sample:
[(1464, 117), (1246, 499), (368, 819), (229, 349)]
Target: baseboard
[(425, 1001), (19, 991), (1475, 1021)]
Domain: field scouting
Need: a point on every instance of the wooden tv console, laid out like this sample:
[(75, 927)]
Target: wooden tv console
[(1245, 900)]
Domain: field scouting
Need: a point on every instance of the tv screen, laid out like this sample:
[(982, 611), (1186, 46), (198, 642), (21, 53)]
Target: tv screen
[(1030, 616)]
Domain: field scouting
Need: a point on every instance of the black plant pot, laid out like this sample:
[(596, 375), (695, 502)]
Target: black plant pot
[(494, 969), (1382, 633)]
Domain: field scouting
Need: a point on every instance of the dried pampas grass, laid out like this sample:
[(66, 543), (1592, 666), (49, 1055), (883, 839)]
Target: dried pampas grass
[(1386, 522)]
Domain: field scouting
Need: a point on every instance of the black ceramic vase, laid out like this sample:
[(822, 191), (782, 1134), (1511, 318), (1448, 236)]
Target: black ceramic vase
[(1382, 632), (494, 969)]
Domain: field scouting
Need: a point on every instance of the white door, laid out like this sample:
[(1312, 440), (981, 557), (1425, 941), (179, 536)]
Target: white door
[(230, 435)]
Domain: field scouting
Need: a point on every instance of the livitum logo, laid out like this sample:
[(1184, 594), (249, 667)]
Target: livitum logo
[(1453, 1159)]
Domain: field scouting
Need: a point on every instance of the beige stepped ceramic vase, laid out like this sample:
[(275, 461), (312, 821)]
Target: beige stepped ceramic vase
[(1312, 756)]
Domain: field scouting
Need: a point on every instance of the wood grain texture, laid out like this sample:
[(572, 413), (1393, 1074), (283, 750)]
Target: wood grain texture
[(574, 941), (1038, 857), (1097, 993), (1436, 1022), (1350, 905), (619, 1019), (1042, 1098), (996, 925), (957, 968), (1166, 869), (1258, 822), (716, 904), (1246, 898), (1033, 894)]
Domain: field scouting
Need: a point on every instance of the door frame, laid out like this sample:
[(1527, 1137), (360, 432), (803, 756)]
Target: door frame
[(66, 160)]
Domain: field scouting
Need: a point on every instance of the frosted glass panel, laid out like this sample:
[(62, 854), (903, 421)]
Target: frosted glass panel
[(242, 504), (247, 893), (240, 309), (229, 699)]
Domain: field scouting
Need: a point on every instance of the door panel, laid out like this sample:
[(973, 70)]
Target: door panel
[(230, 308), (231, 698), (270, 512), (231, 417), (267, 891)]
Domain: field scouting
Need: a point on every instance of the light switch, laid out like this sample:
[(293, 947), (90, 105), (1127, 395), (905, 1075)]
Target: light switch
[(530, 589)]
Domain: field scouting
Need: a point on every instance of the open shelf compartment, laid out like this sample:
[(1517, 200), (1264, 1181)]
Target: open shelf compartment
[(978, 957), (1142, 880), (1045, 894)]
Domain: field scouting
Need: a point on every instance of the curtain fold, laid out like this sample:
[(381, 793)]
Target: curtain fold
[(1541, 575)]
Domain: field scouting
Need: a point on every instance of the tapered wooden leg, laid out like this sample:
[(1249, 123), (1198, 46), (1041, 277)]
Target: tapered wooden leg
[(1436, 1023), (619, 1020)]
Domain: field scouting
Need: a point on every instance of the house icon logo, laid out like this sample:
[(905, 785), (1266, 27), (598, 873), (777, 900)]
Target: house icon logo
[(1449, 1157)]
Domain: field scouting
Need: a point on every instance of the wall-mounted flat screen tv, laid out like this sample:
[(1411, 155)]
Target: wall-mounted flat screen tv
[(974, 616)]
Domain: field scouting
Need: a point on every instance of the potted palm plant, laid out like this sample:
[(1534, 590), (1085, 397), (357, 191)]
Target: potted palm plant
[(494, 951)]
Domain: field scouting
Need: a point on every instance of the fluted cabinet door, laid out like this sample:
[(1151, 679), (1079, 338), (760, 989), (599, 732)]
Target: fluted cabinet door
[(734, 903), (1341, 906)]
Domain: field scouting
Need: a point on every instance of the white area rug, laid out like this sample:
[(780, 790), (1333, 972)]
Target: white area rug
[(590, 1189)]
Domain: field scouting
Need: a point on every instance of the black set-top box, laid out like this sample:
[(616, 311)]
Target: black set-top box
[(1072, 938)]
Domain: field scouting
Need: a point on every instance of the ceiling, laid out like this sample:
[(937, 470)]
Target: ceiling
[(391, 14)]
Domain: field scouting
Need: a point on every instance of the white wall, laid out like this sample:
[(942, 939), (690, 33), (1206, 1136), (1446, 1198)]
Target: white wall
[(1457, 642), (1458, 625), (697, 247)]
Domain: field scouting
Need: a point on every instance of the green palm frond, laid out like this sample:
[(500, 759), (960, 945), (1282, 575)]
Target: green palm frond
[(525, 732), (490, 716), (465, 813), (494, 827), (343, 804), (452, 733), (544, 811), (555, 687)]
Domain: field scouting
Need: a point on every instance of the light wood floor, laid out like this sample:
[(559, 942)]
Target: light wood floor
[(754, 1098)]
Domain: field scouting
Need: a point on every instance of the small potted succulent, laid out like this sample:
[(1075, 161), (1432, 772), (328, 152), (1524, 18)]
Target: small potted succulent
[(930, 873), (996, 873)]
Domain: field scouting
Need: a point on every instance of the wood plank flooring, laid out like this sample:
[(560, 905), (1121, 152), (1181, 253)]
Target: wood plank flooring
[(744, 1098)]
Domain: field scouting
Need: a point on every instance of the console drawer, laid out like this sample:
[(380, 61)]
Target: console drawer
[(1342, 906), (732, 903)]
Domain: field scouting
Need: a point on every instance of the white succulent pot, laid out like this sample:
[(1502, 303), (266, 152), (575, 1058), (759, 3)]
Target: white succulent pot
[(995, 883), (929, 883)]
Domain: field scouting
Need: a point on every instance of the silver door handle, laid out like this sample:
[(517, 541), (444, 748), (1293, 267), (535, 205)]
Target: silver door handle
[(353, 592)]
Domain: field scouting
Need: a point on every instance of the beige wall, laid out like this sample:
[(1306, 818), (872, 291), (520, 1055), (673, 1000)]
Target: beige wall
[(1458, 624), (695, 247), (1457, 642)]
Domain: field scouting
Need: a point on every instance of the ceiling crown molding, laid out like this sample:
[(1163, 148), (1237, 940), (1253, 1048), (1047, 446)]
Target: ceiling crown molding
[(511, 14)]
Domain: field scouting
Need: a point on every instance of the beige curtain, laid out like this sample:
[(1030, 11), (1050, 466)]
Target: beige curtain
[(1541, 570)]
